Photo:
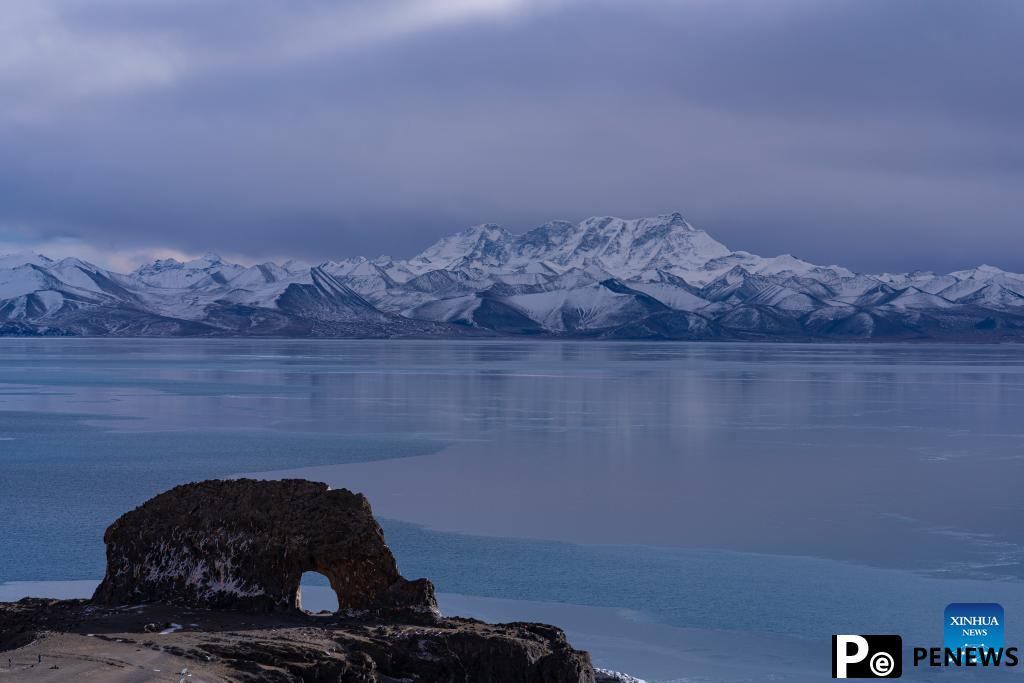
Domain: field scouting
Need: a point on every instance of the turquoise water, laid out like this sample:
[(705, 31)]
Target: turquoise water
[(701, 589), (66, 477), (786, 489)]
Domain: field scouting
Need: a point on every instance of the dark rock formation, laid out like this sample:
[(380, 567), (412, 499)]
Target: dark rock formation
[(90, 643), (244, 544), (204, 579)]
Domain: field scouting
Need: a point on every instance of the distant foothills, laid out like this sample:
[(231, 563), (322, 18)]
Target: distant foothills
[(605, 278)]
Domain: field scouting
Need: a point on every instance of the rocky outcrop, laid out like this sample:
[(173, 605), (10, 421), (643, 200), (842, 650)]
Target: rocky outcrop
[(204, 580), (244, 544), (129, 642)]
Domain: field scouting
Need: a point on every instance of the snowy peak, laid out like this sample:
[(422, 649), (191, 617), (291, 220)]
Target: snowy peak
[(24, 259), (546, 237), (326, 299), (207, 270), (982, 271), (296, 266), (626, 248), (26, 278), (479, 246), (623, 248), (259, 275), (652, 278), (207, 260), (157, 266)]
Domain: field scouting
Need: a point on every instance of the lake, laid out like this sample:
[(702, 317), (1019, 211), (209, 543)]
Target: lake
[(668, 504)]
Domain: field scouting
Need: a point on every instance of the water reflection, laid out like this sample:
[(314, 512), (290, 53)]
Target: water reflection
[(897, 455)]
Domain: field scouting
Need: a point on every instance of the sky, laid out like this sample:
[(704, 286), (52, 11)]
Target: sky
[(884, 135)]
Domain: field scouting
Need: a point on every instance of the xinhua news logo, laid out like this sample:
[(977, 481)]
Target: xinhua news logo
[(867, 656), (974, 628)]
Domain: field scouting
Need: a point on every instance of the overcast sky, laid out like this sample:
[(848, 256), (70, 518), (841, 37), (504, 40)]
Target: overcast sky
[(879, 134)]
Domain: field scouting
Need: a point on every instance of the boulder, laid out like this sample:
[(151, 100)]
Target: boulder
[(244, 544)]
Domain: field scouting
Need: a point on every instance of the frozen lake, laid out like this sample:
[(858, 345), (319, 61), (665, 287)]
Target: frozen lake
[(777, 493)]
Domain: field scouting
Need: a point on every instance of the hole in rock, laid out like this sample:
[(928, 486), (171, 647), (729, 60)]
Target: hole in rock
[(316, 594)]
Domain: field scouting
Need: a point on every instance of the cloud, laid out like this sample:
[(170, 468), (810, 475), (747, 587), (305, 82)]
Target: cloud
[(117, 261), (347, 26), (53, 52), (877, 134), (46, 62)]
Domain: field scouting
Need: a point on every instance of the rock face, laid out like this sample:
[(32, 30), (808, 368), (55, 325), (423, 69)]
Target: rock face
[(204, 580), (244, 545), (125, 643)]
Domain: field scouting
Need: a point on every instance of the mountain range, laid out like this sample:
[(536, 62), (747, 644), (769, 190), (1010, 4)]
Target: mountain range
[(609, 278)]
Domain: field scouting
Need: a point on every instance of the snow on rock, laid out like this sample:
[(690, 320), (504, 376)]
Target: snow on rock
[(671, 295), (455, 310), (590, 307), (23, 259), (26, 279), (244, 544), (173, 274), (609, 676)]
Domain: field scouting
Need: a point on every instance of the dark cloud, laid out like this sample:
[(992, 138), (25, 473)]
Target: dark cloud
[(876, 134)]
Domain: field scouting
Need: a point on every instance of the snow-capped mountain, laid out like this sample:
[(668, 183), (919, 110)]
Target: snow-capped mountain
[(647, 278)]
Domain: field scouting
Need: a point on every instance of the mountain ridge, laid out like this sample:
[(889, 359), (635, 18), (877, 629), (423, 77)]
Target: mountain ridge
[(657, 277)]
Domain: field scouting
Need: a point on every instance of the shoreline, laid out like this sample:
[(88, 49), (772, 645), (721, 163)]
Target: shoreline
[(618, 640)]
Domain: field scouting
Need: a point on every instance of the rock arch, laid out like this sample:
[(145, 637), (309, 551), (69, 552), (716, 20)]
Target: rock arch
[(310, 599), (244, 544)]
